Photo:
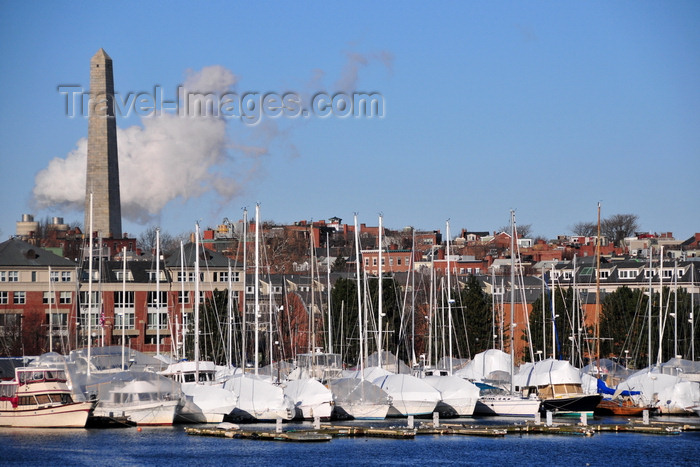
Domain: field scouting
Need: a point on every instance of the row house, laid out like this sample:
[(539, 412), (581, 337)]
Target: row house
[(392, 261), (45, 300)]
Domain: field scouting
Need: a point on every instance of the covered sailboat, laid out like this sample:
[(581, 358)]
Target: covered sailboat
[(457, 396), (409, 395), (311, 398), (558, 386), (204, 399), (359, 399), (257, 399)]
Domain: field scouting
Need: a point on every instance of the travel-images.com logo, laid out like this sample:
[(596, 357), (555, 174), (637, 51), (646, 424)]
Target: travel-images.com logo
[(248, 107)]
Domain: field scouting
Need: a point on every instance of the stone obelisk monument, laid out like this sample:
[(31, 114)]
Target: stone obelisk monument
[(102, 161)]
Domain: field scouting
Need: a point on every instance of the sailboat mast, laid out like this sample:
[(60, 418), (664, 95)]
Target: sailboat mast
[(196, 302), (182, 297), (157, 291), (675, 308), (649, 305), (413, 296), (554, 316), (51, 297), (123, 307), (380, 294), (245, 288), (544, 318), (89, 313), (692, 312), (328, 287), (659, 357), (257, 283), (229, 355), (312, 320), (597, 297), (449, 293), (512, 298), (359, 296)]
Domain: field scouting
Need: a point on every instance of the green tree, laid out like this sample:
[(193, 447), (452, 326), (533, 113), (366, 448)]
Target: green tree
[(473, 319)]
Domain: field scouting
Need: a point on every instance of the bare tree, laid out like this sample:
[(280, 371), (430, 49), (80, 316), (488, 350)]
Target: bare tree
[(615, 228), (618, 226), (524, 230), (585, 229), (147, 240)]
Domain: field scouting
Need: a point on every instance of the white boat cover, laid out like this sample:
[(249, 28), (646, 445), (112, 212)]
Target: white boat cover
[(259, 399), (455, 392), (310, 397), (484, 365), (409, 395), (359, 398), (670, 394), (370, 373), (389, 363), (547, 372)]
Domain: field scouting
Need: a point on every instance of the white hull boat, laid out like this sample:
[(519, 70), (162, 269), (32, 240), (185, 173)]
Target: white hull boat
[(40, 398), (142, 398)]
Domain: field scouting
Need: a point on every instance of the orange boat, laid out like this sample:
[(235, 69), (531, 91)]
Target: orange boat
[(622, 407)]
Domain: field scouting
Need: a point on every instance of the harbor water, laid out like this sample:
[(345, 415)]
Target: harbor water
[(166, 446)]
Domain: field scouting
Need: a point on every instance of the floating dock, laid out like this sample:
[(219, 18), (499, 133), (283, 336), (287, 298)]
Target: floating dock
[(327, 432)]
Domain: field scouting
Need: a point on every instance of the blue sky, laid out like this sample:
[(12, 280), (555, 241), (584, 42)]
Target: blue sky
[(542, 107)]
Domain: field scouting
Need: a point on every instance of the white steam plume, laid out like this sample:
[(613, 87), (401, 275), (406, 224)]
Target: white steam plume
[(169, 157)]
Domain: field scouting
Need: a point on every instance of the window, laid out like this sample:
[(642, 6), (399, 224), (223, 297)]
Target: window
[(187, 276), (277, 289), (58, 320), (126, 316), (119, 274), (64, 298), (202, 296), (374, 261), (154, 323), (9, 320), (604, 274), (250, 289), (587, 271), (566, 275), (54, 276), (33, 276), (627, 273), (648, 273), (65, 276), (49, 298), (12, 276), (4, 298), (183, 297), (222, 276), (383, 261), (20, 298), (155, 300), (668, 273), (236, 277), (85, 300), (3, 276), (154, 275), (366, 261), (398, 261), (122, 300)]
